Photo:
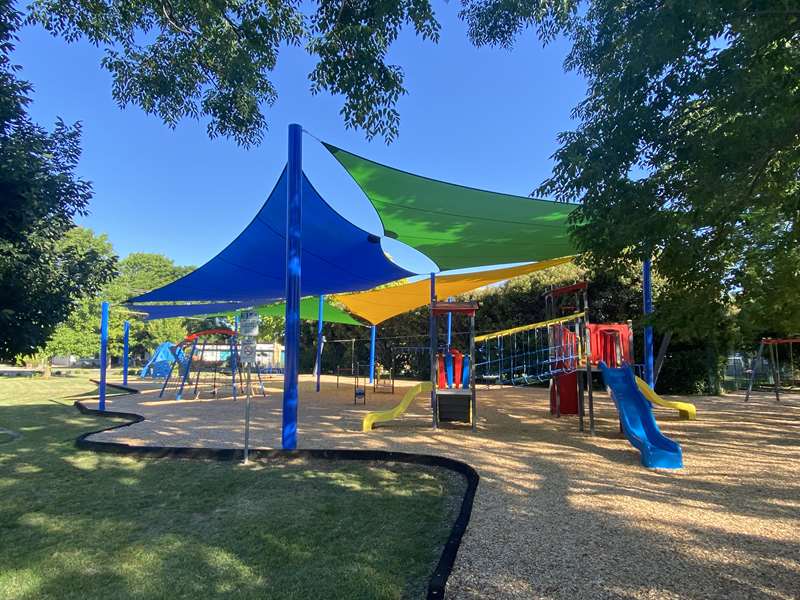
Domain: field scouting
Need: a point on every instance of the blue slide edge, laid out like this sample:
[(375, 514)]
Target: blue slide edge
[(638, 422)]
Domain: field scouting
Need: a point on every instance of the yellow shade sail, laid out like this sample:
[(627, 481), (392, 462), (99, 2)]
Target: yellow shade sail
[(378, 305)]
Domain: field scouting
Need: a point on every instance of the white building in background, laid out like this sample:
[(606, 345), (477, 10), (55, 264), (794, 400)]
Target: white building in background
[(268, 355)]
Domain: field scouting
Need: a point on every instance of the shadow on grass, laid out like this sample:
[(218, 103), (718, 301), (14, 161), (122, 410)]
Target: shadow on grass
[(92, 525)]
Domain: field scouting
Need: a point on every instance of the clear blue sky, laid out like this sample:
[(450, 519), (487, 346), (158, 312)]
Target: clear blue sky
[(486, 118)]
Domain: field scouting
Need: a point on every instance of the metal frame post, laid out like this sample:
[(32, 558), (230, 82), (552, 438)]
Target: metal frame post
[(126, 333), (776, 371), (294, 232), (449, 329), (472, 370), (589, 390), (247, 418), (753, 368), (647, 292), (372, 335), (179, 395), (101, 405), (197, 377), (319, 338), (434, 344), (169, 375), (234, 364)]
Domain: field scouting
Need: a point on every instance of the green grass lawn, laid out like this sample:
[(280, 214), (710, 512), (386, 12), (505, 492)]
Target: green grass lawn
[(76, 524)]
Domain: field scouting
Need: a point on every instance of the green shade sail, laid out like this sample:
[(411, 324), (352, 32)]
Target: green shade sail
[(309, 311), (457, 226)]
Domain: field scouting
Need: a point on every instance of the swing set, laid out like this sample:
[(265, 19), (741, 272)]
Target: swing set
[(205, 369), (783, 377)]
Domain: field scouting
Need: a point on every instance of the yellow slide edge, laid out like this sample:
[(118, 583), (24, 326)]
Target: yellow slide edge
[(387, 415), (686, 410)]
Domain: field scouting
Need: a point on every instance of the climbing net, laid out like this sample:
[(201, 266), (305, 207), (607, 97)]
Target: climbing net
[(530, 353)]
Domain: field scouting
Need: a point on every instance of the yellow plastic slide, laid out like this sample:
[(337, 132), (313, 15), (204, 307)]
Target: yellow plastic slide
[(393, 413), (686, 410)]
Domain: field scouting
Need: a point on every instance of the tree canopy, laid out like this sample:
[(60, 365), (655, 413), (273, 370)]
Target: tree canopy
[(79, 334), (711, 122), (46, 264), (178, 59), (140, 272), (687, 147)]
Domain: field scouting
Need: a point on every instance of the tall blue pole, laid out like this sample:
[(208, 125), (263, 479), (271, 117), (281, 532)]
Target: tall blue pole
[(372, 354), (449, 329), (126, 334), (647, 290), (320, 315), (294, 231), (103, 353)]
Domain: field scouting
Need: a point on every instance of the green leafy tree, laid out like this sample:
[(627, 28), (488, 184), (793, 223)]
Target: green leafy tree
[(687, 148), (179, 59), (141, 272), (46, 264), (79, 335)]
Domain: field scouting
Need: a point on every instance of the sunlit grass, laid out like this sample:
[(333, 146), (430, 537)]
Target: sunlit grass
[(77, 524)]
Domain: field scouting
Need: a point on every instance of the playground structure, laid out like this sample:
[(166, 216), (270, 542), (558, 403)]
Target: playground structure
[(637, 420), (686, 410), (160, 363), (562, 350), (359, 385), (452, 385), (781, 378), (371, 419), (531, 231), (452, 372), (206, 369), (384, 379)]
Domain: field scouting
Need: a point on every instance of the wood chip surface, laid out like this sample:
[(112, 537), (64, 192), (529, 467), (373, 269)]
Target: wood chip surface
[(558, 513)]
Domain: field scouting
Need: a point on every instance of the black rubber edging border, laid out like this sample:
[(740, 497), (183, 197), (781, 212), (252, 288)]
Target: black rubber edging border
[(437, 582), (118, 386)]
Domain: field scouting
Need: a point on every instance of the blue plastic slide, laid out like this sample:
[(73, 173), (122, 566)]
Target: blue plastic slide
[(638, 422), (160, 363)]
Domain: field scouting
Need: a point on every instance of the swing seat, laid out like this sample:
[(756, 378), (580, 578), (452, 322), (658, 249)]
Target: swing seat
[(360, 393)]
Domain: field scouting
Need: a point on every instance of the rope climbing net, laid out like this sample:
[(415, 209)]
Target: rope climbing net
[(531, 353)]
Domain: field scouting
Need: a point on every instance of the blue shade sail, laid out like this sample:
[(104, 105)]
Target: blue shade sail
[(170, 311), (337, 257)]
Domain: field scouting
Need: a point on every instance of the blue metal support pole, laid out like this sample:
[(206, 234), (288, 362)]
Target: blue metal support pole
[(294, 232), (449, 329), (647, 289), (103, 354), (126, 334), (320, 315), (179, 395), (372, 334)]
